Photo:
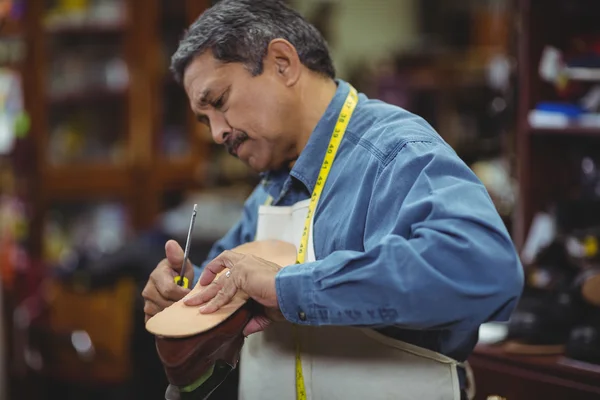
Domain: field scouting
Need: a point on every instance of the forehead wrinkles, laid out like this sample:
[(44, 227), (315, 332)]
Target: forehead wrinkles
[(202, 89), (199, 92), (198, 76), (193, 83)]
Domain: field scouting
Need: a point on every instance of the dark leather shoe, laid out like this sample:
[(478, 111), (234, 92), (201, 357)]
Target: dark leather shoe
[(197, 365), (549, 308), (545, 318), (584, 340)]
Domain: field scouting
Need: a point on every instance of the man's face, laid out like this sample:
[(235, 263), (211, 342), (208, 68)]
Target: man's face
[(249, 115)]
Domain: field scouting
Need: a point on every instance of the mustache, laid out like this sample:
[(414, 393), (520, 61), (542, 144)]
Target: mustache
[(234, 141)]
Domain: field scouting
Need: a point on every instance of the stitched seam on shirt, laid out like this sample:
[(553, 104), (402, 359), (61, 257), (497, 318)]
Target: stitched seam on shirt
[(380, 155), (398, 148), (370, 147), (392, 157)]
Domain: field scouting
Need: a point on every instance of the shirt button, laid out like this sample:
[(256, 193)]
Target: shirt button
[(302, 316)]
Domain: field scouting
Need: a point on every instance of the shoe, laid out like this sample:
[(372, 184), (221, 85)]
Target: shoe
[(549, 308), (584, 340), (545, 318)]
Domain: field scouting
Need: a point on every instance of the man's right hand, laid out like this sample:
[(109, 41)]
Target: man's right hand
[(161, 290)]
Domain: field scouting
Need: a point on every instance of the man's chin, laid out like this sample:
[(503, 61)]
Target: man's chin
[(256, 165)]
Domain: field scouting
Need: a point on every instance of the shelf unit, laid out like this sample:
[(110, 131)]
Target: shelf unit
[(569, 130), (548, 163), (159, 148), (544, 166)]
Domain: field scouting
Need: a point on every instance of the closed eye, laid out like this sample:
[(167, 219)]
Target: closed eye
[(203, 119), (220, 102)]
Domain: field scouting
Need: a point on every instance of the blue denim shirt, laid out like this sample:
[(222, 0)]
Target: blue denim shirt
[(406, 237)]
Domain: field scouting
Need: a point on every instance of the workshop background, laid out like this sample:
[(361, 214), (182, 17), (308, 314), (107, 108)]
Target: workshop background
[(101, 161)]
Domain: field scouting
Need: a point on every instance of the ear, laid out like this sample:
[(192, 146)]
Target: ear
[(283, 61)]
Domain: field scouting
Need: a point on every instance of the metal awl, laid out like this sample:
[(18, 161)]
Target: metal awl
[(182, 281)]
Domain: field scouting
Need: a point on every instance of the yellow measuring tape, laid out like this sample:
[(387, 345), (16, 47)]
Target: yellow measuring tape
[(334, 144)]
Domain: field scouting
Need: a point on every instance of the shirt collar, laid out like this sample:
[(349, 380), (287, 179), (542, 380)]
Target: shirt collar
[(307, 166)]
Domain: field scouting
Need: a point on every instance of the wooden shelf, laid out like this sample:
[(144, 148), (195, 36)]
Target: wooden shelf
[(87, 29), (583, 74), (570, 130), (179, 173), (85, 181), (87, 96), (554, 364), (518, 377), (12, 28)]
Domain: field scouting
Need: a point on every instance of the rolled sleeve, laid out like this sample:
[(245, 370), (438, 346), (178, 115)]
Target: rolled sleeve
[(295, 290)]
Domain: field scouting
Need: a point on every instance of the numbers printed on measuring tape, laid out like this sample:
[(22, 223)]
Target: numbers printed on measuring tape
[(334, 143)]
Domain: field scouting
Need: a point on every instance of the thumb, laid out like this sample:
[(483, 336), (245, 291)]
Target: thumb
[(175, 256)]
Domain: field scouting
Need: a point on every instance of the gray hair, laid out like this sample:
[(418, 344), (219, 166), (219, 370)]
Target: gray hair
[(241, 30)]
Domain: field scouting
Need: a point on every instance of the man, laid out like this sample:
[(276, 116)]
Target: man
[(405, 255)]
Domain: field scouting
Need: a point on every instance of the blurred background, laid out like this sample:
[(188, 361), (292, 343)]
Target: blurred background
[(101, 161)]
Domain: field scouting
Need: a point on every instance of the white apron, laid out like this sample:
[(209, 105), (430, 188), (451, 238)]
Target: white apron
[(338, 362)]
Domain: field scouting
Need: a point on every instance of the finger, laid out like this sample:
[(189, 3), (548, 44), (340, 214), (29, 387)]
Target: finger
[(222, 297), (167, 288), (205, 294), (151, 309), (227, 259), (256, 324), (150, 293)]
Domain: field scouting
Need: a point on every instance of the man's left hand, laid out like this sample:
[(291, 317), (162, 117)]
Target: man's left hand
[(252, 275)]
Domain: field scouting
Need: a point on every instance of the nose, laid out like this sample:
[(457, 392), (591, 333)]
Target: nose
[(219, 128)]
